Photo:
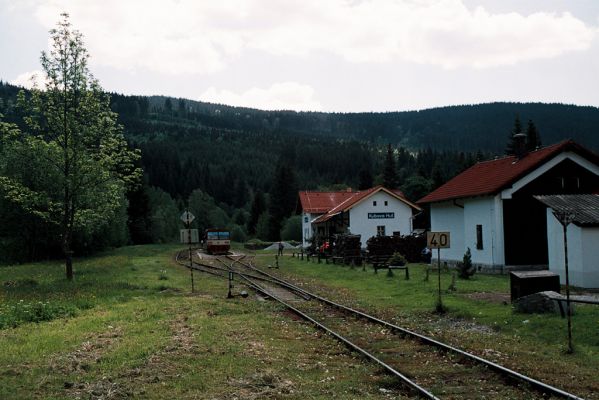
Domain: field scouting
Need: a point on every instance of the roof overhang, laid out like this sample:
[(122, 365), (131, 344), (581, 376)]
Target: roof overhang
[(528, 178)]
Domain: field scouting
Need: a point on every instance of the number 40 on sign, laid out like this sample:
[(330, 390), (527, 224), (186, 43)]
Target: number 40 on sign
[(437, 240)]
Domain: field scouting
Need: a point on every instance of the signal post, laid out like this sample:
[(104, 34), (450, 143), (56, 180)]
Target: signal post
[(189, 236), (438, 240)]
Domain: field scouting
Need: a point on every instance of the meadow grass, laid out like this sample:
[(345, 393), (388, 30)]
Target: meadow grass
[(133, 329)]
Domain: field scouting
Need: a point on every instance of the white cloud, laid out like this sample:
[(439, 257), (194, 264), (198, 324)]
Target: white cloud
[(29, 79), (190, 36), (279, 96)]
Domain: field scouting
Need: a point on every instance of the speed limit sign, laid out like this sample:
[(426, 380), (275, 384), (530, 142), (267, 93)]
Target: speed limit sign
[(437, 240)]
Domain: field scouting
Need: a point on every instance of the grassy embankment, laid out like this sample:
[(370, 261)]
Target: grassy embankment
[(479, 318), (128, 326)]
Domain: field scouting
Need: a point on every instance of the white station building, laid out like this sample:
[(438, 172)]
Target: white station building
[(377, 211), (491, 209)]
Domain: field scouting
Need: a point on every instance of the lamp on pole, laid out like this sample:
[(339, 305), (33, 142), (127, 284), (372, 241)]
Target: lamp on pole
[(565, 218)]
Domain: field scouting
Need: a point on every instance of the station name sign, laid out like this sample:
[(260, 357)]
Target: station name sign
[(382, 215)]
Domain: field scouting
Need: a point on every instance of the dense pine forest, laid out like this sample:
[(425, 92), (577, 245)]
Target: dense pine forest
[(241, 168)]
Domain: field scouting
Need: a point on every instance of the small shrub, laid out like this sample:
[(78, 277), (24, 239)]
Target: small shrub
[(397, 259), (22, 312), (465, 268)]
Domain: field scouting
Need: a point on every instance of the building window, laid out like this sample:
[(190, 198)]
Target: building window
[(306, 219), (562, 182), (380, 230), (479, 237), (386, 203), (374, 203), (396, 233)]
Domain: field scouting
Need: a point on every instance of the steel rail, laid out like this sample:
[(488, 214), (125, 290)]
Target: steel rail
[(410, 383), (546, 388), (302, 293)]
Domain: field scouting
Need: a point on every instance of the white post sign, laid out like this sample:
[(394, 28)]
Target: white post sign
[(187, 217), (189, 236)]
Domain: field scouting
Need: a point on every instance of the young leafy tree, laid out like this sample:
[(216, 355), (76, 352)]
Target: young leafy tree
[(87, 164)]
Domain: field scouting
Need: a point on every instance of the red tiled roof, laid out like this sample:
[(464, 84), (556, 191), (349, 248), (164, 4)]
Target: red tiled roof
[(321, 202), (490, 177), (358, 197)]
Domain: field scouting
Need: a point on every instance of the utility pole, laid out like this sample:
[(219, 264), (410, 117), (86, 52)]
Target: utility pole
[(565, 218)]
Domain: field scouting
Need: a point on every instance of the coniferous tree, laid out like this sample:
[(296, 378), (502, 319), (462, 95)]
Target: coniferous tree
[(509, 149), (282, 198), (390, 179), (140, 215), (365, 179), (533, 138), (437, 176), (257, 209)]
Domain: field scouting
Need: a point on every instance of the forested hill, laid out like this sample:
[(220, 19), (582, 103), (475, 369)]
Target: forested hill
[(241, 168), (459, 128)]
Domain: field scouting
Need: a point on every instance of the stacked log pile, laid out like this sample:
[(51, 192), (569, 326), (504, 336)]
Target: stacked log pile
[(347, 246), (408, 246)]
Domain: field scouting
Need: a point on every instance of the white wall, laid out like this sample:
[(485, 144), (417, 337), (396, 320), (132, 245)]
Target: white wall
[(307, 231), (590, 258), (461, 223), (447, 217), (484, 211), (583, 253), (361, 225)]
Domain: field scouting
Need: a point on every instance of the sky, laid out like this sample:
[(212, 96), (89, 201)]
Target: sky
[(322, 55)]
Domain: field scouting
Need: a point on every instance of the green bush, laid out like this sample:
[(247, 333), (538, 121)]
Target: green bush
[(237, 234), (292, 228), (397, 259), (465, 268)]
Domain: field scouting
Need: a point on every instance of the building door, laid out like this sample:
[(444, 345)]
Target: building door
[(525, 232), (525, 218)]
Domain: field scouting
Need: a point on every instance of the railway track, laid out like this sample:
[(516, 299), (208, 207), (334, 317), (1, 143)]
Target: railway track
[(427, 367)]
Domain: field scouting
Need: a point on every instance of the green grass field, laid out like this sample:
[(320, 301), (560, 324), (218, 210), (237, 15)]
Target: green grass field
[(128, 326)]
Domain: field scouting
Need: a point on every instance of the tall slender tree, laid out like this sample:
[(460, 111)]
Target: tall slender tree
[(533, 138), (257, 209), (283, 197), (390, 179), (365, 179), (72, 129), (517, 128)]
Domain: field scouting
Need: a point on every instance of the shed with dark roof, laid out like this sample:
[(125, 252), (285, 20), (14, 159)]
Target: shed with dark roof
[(582, 211), (490, 207)]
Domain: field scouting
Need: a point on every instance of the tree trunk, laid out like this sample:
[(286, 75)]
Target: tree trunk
[(69, 264)]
